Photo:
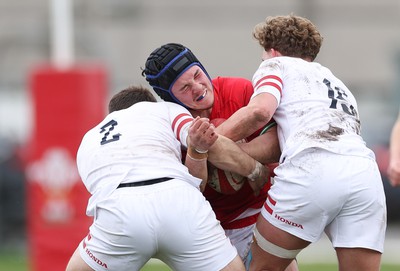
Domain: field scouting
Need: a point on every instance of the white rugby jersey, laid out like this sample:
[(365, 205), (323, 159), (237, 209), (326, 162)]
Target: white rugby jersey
[(139, 143), (315, 109)]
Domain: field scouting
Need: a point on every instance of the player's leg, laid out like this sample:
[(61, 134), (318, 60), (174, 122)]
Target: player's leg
[(294, 213), (191, 238), (274, 249), (358, 259), (76, 263), (121, 236), (358, 231), (292, 266), (242, 238)]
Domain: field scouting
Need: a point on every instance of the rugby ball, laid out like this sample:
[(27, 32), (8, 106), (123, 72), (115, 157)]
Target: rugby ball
[(222, 181)]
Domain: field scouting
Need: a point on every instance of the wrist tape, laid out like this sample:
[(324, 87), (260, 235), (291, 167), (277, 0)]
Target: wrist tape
[(256, 172)]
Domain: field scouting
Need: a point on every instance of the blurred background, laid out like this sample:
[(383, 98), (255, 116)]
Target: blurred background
[(361, 46)]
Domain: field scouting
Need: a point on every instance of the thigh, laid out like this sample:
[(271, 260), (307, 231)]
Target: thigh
[(358, 259), (191, 237), (361, 221), (262, 260), (304, 196), (122, 235)]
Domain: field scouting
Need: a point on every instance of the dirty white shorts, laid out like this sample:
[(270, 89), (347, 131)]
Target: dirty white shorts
[(317, 191), (171, 221), (241, 238)]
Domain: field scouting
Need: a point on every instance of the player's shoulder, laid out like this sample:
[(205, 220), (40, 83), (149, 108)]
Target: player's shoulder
[(174, 109), (150, 106), (170, 105), (280, 61), (226, 80), (232, 85)]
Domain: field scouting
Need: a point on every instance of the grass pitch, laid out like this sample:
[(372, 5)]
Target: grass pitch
[(18, 262)]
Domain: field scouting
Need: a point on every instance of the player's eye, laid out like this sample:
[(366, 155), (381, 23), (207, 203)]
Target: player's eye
[(197, 74), (185, 88)]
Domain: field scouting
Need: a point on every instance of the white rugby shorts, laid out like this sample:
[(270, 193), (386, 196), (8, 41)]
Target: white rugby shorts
[(171, 221), (241, 238), (317, 191)]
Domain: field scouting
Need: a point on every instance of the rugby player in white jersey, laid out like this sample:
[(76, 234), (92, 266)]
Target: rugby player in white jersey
[(328, 179)]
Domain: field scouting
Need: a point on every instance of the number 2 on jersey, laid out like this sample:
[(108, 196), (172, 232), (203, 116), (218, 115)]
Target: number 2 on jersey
[(107, 129), (337, 94)]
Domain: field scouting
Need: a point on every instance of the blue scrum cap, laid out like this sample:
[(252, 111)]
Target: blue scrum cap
[(164, 66)]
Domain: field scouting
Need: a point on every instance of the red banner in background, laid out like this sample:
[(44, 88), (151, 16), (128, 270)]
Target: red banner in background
[(66, 104)]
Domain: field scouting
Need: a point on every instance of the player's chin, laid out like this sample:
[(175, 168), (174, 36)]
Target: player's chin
[(201, 106)]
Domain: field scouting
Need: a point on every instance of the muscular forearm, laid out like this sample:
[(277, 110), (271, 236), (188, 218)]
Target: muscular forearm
[(264, 148), (250, 118), (197, 165), (241, 124), (227, 155), (201, 136)]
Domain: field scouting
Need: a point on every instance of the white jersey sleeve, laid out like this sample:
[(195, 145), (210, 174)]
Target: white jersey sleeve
[(268, 80), (181, 122)]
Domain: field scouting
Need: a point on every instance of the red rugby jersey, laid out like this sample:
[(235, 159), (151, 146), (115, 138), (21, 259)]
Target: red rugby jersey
[(232, 93)]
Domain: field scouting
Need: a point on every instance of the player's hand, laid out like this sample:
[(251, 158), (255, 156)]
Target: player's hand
[(393, 173), (202, 134), (259, 177)]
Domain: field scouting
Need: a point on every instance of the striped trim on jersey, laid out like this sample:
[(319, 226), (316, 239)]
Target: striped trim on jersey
[(269, 204), (271, 84), (179, 122), (270, 80)]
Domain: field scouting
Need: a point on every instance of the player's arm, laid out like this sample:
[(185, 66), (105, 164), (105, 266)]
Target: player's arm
[(250, 118), (264, 148), (394, 148), (201, 136), (222, 152), (197, 166), (227, 155)]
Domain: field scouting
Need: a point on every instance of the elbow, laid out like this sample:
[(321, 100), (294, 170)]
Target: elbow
[(261, 115)]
